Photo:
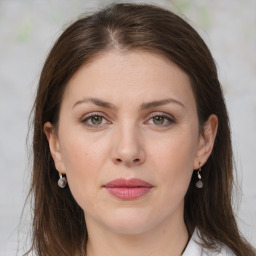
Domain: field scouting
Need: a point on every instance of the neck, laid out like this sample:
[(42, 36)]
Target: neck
[(167, 239)]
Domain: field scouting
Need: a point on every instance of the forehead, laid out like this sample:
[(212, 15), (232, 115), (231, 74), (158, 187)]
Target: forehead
[(135, 75)]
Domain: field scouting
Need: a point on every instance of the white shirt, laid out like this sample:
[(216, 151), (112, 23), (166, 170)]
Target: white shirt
[(194, 249)]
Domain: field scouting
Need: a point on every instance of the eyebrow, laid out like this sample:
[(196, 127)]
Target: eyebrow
[(160, 103), (98, 102), (143, 106)]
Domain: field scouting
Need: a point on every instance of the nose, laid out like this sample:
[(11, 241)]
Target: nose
[(128, 147)]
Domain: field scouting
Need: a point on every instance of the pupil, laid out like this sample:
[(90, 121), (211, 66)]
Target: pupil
[(158, 120), (96, 120)]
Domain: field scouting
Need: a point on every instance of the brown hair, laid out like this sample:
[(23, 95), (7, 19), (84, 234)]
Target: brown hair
[(59, 226)]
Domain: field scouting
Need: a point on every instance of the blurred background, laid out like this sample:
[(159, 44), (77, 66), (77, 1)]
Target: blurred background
[(28, 28)]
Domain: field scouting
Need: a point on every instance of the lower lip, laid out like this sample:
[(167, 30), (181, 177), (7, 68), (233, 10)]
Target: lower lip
[(128, 193)]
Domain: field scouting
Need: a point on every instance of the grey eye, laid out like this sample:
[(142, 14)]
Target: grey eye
[(158, 120), (161, 120), (96, 120)]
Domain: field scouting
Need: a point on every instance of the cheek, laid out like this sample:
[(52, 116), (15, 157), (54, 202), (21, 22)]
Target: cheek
[(83, 160), (173, 159), (81, 152), (177, 149)]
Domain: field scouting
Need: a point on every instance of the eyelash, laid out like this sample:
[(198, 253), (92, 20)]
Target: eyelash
[(170, 120), (88, 117)]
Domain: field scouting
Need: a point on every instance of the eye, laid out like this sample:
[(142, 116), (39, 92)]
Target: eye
[(161, 120), (94, 120)]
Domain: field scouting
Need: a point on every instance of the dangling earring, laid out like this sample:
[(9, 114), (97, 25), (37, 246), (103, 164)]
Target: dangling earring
[(62, 182), (199, 183)]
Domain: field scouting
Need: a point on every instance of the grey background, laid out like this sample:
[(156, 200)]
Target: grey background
[(28, 28)]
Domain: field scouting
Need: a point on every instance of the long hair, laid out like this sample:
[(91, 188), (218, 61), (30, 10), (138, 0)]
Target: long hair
[(59, 226)]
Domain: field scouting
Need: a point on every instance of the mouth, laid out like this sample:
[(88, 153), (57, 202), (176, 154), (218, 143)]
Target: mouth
[(128, 189)]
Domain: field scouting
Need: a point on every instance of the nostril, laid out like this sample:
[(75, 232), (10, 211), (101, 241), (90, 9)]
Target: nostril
[(118, 160), (136, 160)]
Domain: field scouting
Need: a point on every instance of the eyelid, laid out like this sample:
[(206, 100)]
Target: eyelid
[(96, 113), (164, 114), (89, 115), (170, 118), (161, 113)]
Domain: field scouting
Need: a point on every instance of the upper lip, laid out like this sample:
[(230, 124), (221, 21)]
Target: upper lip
[(127, 183)]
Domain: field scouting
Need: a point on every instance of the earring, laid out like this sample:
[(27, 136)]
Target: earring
[(199, 183), (62, 182)]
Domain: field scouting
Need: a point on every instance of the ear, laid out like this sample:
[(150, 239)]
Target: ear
[(54, 146), (206, 141)]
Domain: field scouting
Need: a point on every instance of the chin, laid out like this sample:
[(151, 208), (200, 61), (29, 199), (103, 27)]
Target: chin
[(128, 221), (129, 228)]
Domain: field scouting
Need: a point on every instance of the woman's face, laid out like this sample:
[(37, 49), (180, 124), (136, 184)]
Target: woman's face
[(125, 117)]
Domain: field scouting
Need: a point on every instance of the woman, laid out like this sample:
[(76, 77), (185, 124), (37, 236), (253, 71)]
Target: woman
[(132, 149)]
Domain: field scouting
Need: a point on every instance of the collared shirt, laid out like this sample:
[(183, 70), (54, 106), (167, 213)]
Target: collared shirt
[(194, 249)]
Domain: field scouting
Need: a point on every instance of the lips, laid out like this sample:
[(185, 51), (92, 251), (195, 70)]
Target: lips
[(128, 189)]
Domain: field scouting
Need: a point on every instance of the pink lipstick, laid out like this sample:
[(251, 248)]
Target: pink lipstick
[(128, 189)]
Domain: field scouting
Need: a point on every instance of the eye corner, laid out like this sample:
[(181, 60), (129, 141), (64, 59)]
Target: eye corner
[(99, 122), (160, 120)]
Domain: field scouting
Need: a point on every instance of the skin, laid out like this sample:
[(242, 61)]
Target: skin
[(158, 143)]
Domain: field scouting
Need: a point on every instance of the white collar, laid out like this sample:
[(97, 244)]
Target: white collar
[(194, 249)]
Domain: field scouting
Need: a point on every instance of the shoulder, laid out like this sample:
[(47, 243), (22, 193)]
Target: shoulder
[(194, 249)]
